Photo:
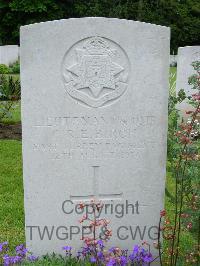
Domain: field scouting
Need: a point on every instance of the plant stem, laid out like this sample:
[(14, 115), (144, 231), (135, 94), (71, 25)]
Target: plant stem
[(180, 212), (172, 261), (159, 245), (198, 243), (176, 203), (7, 110)]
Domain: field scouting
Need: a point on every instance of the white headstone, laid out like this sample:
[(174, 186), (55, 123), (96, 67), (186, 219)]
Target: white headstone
[(94, 106), (9, 54), (173, 60), (186, 55)]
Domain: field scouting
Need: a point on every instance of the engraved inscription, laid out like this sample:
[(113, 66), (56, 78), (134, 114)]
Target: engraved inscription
[(97, 195), (95, 71), (97, 137)]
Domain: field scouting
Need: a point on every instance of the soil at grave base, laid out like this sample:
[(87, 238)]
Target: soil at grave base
[(13, 131)]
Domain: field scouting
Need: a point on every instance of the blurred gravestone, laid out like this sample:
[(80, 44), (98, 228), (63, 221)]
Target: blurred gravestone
[(9, 54), (173, 60), (186, 55)]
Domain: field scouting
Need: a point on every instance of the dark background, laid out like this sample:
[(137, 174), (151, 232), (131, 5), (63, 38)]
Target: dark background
[(183, 16)]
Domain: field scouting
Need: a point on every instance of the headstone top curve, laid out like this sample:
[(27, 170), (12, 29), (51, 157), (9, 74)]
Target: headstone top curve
[(116, 20)]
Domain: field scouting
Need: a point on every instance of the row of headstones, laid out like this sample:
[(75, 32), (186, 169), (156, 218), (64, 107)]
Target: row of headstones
[(9, 54), (186, 55), (95, 111)]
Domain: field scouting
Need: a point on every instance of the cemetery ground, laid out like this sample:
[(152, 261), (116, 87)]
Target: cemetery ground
[(11, 127), (11, 187)]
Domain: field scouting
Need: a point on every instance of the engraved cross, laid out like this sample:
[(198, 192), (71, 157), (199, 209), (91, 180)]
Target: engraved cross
[(96, 194)]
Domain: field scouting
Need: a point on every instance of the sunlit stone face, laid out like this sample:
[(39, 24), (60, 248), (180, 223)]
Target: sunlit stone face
[(94, 106)]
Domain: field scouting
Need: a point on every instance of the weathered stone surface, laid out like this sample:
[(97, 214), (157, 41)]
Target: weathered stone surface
[(186, 55), (9, 54), (94, 106), (173, 60)]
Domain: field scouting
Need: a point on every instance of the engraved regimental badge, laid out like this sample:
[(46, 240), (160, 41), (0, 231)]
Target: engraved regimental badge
[(95, 71)]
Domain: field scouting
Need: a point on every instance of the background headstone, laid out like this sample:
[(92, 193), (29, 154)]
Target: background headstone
[(94, 108), (186, 55), (173, 60), (9, 54)]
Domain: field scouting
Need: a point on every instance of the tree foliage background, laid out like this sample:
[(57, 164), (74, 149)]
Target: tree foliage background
[(183, 16)]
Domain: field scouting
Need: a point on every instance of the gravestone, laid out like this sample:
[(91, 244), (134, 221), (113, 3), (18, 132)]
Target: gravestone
[(94, 108), (9, 54), (173, 60), (186, 55)]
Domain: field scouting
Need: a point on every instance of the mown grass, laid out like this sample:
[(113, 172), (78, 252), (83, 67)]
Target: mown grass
[(172, 79), (11, 193)]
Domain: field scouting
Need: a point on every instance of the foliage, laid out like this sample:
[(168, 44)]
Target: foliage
[(55, 260), (14, 68), (15, 13), (182, 16), (94, 243), (9, 92), (9, 88), (184, 164), (4, 69), (21, 254), (14, 113)]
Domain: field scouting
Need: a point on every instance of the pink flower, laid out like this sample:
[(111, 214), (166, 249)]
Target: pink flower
[(196, 96), (162, 213), (81, 205), (189, 112), (189, 225)]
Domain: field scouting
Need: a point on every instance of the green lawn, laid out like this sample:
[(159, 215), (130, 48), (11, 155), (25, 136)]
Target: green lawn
[(11, 192), (172, 79)]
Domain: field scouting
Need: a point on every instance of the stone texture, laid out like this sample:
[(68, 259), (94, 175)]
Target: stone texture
[(186, 55), (94, 108), (173, 60), (9, 54)]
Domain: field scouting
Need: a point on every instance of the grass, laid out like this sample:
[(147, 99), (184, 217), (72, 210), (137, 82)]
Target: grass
[(172, 79), (11, 193)]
